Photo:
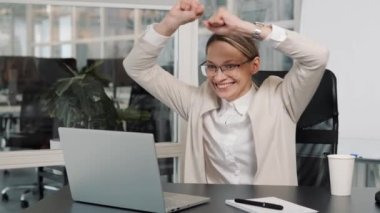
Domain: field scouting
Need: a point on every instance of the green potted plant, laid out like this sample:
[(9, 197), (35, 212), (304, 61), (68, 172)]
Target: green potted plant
[(81, 101)]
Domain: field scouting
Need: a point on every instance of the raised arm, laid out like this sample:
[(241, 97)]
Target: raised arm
[(141, 63), (309, 58), (183, 12)]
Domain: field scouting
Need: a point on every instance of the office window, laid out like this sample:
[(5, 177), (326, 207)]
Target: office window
[(119, 21), (81, 35), (12, 29), (91, 34), (41, 40), (88, 22)]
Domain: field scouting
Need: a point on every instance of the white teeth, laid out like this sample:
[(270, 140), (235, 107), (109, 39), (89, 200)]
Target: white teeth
[(222, 86)]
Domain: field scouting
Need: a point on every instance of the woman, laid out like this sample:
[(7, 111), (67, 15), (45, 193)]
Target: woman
[(237, 133)]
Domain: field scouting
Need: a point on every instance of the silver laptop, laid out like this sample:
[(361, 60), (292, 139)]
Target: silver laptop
[(118, 169)]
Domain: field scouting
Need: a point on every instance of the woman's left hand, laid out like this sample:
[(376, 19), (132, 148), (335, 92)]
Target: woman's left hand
[(223, 22)]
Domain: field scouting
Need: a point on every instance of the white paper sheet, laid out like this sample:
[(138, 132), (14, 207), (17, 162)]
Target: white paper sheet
[(288, 206)]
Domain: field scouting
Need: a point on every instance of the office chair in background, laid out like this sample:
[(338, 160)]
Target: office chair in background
[(154, 115), (35, 126), (317, 130), (112, 69)]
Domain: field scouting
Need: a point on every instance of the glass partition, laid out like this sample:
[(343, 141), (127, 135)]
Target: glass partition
[(88, 22), (43, 47), (94, 38), (119, 22)]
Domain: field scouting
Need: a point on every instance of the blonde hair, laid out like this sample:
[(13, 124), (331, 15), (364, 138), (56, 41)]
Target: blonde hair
[(245, 45)]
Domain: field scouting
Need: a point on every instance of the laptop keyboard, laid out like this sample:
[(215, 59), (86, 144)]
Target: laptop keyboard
[(175, 202)]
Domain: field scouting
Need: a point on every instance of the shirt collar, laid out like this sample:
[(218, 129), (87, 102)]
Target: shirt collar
[(240, 105)]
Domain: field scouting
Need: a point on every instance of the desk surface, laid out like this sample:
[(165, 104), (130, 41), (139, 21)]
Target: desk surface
[(361, 200)]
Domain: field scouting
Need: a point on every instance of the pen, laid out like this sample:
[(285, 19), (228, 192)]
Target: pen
[(260, 204)]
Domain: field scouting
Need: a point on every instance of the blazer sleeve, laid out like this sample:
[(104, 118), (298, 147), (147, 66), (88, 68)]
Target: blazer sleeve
[(309, 64), (142, 67)]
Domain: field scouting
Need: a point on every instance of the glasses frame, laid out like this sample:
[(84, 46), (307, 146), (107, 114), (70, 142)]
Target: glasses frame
[(224, 68)]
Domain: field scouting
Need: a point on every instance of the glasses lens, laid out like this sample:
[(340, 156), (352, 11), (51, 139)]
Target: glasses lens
[(204, 70), (229, 67)]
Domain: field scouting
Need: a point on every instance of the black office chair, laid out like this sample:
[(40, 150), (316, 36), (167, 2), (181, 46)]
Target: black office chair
[(36, 127), (113, 70), (317, 130), (36, 130), (154, 117)]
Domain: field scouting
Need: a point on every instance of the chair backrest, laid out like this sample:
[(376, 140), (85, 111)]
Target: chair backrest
[(32, 118), (16, 74), (154, 115), (113, 70), (52, 69), (317, 130), (31, 77)]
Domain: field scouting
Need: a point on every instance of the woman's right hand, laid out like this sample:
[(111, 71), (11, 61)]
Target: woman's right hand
[(225, 23), (183, 12)]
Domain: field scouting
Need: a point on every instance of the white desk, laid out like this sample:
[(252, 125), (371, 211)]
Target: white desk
[(54, 157), (30, 158), (366, 170), (13, 110)]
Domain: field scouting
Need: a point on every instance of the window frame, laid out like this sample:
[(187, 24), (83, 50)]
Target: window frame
[(185, 69)]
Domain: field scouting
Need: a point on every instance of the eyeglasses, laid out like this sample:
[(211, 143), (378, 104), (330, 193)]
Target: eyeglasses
[(212, 69)]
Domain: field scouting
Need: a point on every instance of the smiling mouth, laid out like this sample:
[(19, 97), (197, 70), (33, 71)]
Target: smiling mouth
[(223, 85)]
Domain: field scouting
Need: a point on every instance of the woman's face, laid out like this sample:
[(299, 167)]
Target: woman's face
[(232, 84)]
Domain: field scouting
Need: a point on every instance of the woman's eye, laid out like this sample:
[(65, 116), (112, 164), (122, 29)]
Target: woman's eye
[(229, 66), (211, 67)]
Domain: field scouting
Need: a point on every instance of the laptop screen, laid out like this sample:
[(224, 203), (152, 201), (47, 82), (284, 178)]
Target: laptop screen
[(112, 168)]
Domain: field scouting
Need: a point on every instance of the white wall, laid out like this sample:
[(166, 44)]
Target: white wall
[(350, 29)]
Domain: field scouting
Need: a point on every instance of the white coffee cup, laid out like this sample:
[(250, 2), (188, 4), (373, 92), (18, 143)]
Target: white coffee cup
[(341, 168)]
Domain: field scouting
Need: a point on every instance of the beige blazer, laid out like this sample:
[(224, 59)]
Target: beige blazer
[(274, 112)]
